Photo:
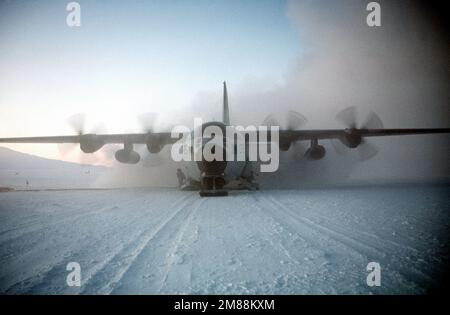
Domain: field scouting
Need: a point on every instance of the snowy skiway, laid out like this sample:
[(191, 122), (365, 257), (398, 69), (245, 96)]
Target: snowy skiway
[(262, 242)]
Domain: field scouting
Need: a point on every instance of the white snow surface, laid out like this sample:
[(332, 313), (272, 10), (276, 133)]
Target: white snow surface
[(165, 241)]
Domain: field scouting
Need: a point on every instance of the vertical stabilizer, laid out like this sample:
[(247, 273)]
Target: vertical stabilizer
[(226, 113)]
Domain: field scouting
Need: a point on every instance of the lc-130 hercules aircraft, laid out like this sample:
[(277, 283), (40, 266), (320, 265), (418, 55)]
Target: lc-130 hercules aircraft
[(213, 180)]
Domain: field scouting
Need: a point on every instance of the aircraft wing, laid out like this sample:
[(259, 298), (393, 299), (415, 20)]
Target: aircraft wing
[(132, 138), (164, 138), (298, 135)]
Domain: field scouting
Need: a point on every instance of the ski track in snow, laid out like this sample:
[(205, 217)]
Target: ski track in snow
[(164, 241), (352, 241)]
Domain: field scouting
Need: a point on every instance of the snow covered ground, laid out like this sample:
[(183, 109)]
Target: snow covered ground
[(151, 241)]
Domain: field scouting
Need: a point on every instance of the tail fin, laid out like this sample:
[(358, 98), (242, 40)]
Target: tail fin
[(226, 113)]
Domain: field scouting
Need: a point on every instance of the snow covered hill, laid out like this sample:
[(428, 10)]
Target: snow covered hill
[(24, 171), (13, 160), (152, 241)]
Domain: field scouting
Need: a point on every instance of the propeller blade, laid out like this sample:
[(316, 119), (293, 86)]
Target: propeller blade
[(99, 128), (338, 146), (347, 117), (367, 150), (66, 149), (270, 121), (148, 120), (299, 150), (373, 121), (77, 122), (295, 120)]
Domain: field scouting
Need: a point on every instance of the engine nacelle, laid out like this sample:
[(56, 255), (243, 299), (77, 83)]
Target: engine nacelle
[(153, 143), (127, 156), (284, 145), (315, 152), (90, 143), (350, 139)]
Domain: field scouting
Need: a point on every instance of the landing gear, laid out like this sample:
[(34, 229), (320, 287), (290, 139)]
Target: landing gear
[(212, 186)]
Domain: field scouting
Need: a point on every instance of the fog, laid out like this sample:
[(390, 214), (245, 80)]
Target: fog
[(398, 70)]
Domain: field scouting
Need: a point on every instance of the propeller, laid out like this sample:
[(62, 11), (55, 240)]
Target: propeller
[(293, 121), (148, 122), (348, 117), (77, 123)]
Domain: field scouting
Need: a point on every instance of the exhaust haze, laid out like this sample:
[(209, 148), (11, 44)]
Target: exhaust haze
[(398, 70)]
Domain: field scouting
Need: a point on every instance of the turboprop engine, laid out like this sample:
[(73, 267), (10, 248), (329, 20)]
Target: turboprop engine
[(127, 156), (153, 143), (316, 151), (90, 143)]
